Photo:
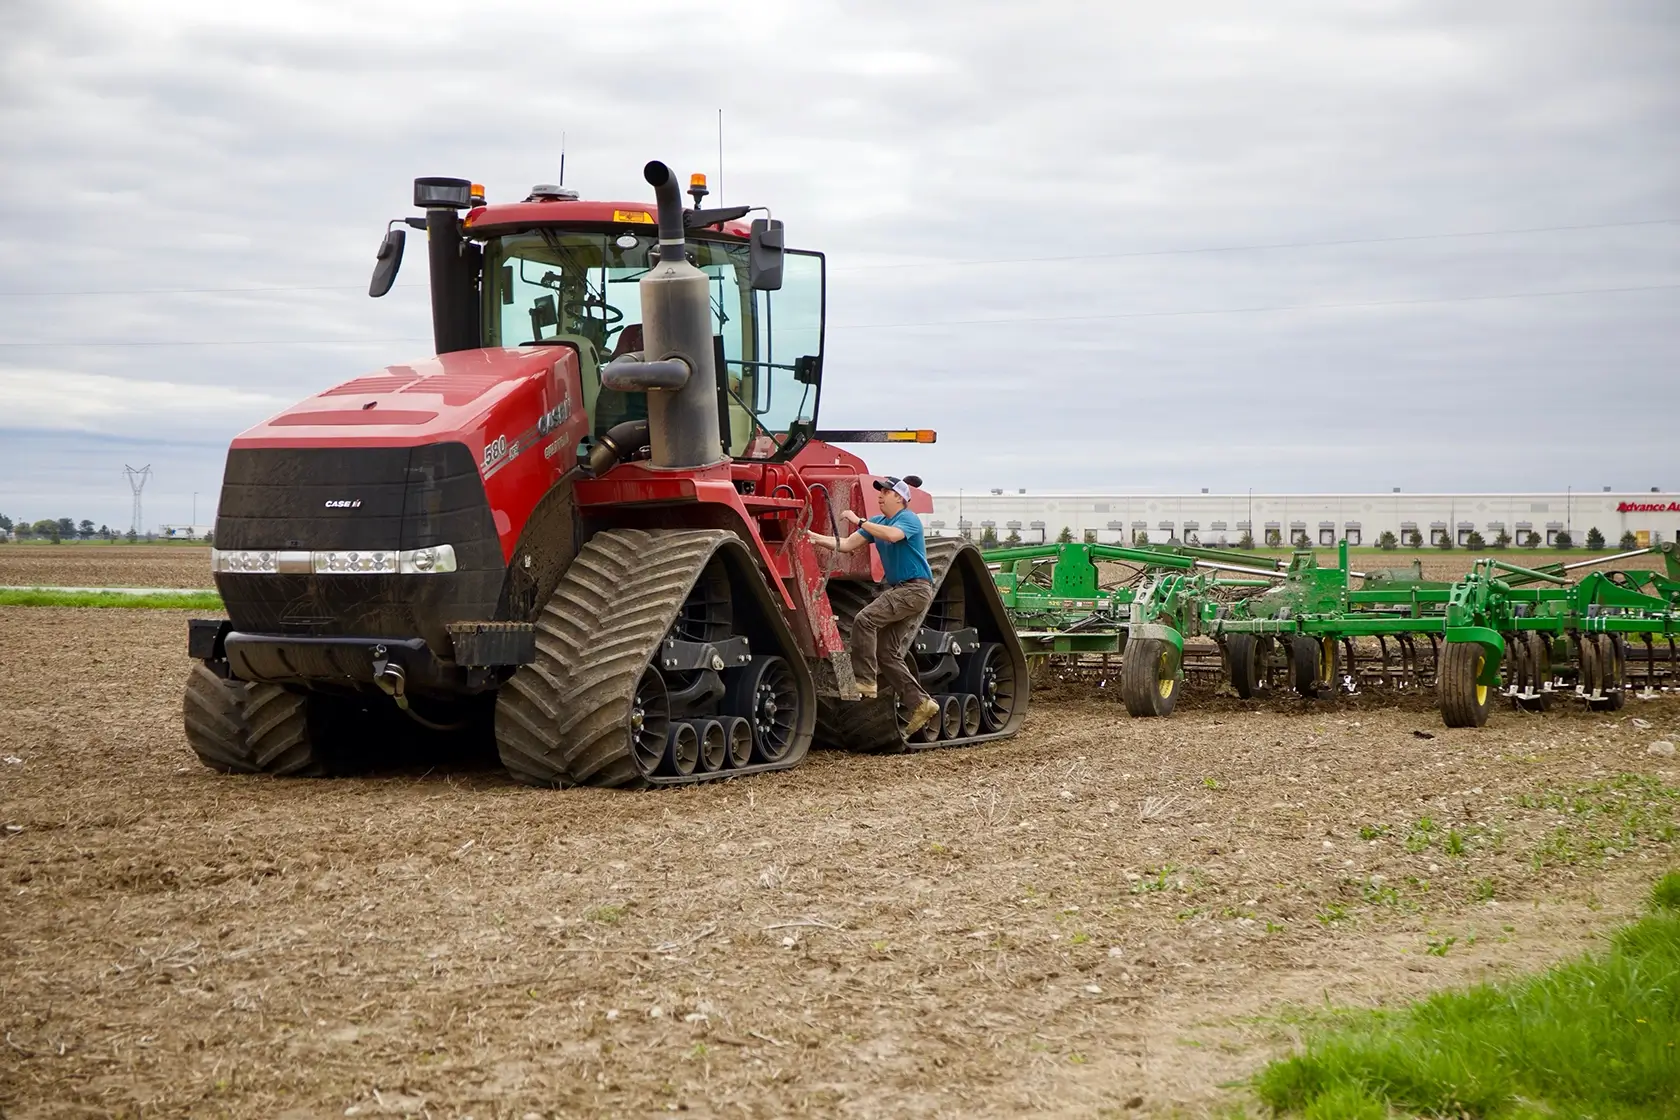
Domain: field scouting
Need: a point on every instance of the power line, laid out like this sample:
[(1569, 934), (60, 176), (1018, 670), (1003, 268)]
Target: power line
[(1255, 310), (968, 322), (1265, 246), (1258, 247)]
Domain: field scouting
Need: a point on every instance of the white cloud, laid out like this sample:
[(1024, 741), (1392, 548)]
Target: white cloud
[(65, 400)]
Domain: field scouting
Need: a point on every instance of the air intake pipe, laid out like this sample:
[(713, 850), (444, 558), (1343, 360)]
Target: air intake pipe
[(677, 371)]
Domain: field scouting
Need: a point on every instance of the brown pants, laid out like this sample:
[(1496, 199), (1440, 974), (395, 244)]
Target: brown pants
[(889, 623)]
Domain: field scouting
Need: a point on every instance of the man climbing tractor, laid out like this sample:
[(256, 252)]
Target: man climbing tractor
[(890, 620)]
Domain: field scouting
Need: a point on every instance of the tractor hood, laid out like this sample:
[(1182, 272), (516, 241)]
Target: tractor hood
[(458, 396)]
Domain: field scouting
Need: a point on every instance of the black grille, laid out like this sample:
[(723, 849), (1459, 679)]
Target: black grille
[(382, 498)]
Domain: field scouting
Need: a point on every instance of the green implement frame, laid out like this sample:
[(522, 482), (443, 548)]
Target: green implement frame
[(1533, 635)]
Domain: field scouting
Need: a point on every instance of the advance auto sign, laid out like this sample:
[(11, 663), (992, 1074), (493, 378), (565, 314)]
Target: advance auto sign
[(1648, 507)]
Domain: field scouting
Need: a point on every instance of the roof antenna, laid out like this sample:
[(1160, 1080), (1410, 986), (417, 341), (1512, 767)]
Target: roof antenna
[(562, 181)]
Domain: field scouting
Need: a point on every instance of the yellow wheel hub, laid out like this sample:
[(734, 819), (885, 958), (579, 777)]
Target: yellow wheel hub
[(1164, 675), (1481, 689)]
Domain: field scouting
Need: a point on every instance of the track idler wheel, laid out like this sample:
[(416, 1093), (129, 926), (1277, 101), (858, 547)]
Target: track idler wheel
[(1248, 654), (970, 714), (990, 675), (1465, 701), (738, 740), (1149, 677), (1312, 665), (766, 694)]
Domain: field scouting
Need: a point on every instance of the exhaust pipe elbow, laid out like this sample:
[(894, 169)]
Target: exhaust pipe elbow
[(671, 234), (621, 441), (629, 376)]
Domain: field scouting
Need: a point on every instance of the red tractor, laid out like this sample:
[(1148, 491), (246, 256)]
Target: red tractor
[(580, 528)]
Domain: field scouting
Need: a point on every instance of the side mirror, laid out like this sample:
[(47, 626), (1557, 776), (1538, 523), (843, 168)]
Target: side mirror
[(764, 255), (386, 262)]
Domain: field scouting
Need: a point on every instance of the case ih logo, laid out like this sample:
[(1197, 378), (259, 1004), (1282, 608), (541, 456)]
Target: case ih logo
[(344, 503), (1648, 507)]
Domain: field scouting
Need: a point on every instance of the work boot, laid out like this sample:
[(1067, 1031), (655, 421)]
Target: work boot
[(926, 710), (866, 689)]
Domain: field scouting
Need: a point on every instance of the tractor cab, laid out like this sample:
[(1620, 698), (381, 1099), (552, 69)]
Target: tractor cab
[(555, 271)]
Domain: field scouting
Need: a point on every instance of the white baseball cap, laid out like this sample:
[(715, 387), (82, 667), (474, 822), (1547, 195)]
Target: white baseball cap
[(897, 485)]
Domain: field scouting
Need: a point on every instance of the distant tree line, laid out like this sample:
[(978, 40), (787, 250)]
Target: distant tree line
[(61, 529)]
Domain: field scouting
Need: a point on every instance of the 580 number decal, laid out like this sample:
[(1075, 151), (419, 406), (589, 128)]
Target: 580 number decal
[(495, 451)]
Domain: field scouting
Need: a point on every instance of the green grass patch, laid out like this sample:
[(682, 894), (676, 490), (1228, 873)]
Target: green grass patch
[(1599, 1036), (31, 597)]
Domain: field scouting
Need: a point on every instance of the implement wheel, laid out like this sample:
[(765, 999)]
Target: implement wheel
[(1312, 664), (1248, 654), (1465, 701), (1539, 665), (1612, 670), (1149, 677)]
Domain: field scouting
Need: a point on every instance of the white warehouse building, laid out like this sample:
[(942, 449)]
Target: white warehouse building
[(1322, 519)]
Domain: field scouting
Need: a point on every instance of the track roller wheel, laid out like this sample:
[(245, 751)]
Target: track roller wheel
[(970, 714), (1149, 677), (765, 693), (1248, 654), (682, 751), (1612, 671), (1312, 664), (241, 728), (950, 716), (990, 676), (714, 744), (737, 739), (1464, 700)]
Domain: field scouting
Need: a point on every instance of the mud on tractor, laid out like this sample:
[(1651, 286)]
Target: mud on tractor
[(580, 527)]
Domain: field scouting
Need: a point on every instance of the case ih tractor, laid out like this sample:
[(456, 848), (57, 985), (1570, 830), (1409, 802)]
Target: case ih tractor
[(581, 525)]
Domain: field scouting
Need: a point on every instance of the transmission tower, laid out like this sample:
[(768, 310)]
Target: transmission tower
[(137, 482)]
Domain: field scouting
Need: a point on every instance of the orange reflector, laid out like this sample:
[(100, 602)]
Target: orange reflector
[(919, 435), (641, 217)]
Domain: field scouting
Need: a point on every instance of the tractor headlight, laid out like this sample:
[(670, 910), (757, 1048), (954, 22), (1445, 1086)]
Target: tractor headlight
[(243, 560), (335, 562), (424, 561), (355, 563)]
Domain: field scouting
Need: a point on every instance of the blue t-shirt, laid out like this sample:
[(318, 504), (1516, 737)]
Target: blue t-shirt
[(905, 559)]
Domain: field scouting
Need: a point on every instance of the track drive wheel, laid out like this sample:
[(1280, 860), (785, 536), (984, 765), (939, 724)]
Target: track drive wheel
[(242, 728), (1149, 677), (1248, 654), (766, 694), (1464, 700), (1612, 671), (1312, 664)]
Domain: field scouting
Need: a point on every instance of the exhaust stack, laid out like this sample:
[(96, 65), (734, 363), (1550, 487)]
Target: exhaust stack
[(677, 370)]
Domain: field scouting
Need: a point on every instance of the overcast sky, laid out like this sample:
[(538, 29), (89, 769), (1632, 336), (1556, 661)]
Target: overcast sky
[(1087, 242)]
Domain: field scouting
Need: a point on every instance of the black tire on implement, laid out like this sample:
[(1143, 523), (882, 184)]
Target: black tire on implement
[(241, 728), (1149, 677), (1464, 702), (1612, 672), (1313, 663), (1248, 667)]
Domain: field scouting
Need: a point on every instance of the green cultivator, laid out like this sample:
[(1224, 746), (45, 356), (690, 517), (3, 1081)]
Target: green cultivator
[(1532, 635)]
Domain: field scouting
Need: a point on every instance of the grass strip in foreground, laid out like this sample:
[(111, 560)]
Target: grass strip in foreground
[(1599, 1037), (163, 600)]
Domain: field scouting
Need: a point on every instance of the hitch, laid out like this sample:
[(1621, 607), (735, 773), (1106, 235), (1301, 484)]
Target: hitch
[(393, 682)]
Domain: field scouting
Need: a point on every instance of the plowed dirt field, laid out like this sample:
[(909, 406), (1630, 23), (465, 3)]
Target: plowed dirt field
[(1104, 916), (104, 565)]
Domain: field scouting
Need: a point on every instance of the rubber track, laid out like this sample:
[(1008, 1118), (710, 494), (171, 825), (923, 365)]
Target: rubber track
[(241, 728), (874, 725), (563, 719)]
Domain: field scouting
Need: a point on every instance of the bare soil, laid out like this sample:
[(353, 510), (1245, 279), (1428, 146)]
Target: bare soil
[(1104, 916), (94, 564)]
